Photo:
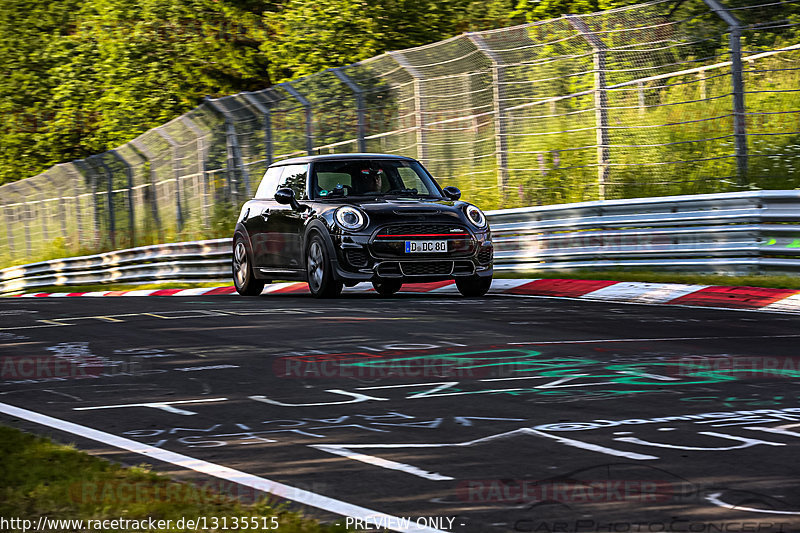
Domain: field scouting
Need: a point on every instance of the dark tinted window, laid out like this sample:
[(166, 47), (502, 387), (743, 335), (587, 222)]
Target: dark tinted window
[(371, 177)]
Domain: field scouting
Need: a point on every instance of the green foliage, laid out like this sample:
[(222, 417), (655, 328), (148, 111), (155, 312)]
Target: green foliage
[(81, 77)]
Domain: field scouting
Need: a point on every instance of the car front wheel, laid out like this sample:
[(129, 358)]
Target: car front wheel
[(387, 287), (474, 285), (321, 281), (246, 284)]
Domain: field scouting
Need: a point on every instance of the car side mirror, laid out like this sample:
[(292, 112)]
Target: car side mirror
[(285, 196), (452, 193)]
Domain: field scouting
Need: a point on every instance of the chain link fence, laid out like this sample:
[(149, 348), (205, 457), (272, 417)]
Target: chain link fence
[(667, 97)]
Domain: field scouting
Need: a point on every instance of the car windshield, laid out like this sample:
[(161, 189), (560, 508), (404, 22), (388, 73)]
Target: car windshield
[(372, 178)]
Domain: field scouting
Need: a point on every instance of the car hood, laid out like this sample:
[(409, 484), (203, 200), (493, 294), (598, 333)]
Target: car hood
[(397, 211)]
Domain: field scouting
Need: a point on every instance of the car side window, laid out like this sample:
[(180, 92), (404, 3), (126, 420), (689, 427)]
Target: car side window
[(269, 183), (294, 177)]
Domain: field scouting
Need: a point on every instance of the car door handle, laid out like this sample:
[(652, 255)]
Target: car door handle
[(265, 213)]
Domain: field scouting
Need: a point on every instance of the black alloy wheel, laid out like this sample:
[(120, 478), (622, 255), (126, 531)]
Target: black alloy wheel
[(243, 279), (387, 287), (321, 281), (473, 285)]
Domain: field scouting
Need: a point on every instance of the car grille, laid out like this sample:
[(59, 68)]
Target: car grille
[(426, 268), (422, 229)]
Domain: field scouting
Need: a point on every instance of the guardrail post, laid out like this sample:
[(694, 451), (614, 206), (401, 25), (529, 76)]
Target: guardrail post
[(266, 113), (419, 117), (131, 199), (600, 101), (739, 122), (500, 130), (309, 114), (178, 206), (360, 110)]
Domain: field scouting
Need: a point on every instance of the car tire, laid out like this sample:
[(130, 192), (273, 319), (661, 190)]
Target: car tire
[(319, 273), (474, 285), (387, 287), (243, 279)]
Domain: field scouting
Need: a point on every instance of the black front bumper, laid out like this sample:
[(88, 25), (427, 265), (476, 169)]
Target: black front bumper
[(368, 257)]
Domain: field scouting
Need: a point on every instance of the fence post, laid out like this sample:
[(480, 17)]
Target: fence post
[(141, 149), (131, 199), (266, 113), (418, 103), (235, 159), (12, 187), (739, 122), (600, 101), (201, 167), (86, 171), (309, 116), (179, 220), (360, 110), (500, 130), (112, 218)]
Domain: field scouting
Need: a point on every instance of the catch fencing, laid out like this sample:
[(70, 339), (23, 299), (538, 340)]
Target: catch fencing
[(732, 233), (660, 98)]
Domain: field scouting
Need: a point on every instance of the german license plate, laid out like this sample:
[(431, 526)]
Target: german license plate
[(426, 247)]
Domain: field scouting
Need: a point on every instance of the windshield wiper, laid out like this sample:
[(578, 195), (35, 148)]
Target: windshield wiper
[(399, 192)]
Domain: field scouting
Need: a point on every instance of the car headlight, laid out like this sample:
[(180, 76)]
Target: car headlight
[(350, 218), (476, 216)]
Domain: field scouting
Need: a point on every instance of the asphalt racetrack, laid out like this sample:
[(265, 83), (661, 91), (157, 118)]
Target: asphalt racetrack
[(501, 413)]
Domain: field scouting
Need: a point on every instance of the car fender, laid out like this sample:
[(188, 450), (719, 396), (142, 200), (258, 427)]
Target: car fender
[(318, 227), (242, 230)]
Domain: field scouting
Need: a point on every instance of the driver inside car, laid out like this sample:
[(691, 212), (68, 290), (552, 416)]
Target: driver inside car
[(372, 180)]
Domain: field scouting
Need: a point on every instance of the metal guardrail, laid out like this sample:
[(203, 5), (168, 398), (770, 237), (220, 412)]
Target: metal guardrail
[(736, 233)]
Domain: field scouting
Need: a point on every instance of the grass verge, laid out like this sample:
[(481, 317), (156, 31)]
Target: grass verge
[(39, 478)]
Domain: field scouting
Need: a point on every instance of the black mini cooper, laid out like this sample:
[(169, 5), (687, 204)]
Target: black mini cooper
[(336, 220)]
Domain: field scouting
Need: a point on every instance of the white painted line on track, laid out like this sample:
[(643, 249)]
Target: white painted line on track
[(658, 339), (223, 472), (383, 463), (715, 499)]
